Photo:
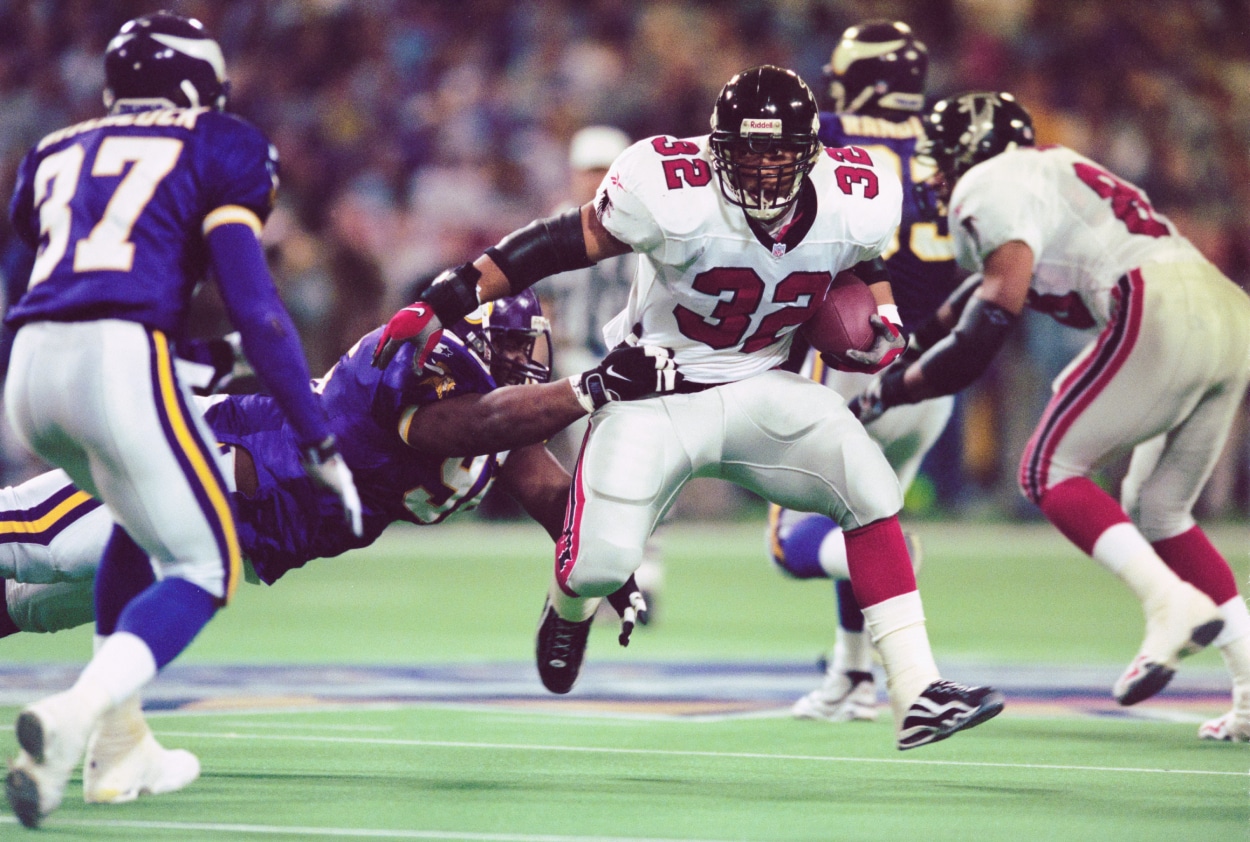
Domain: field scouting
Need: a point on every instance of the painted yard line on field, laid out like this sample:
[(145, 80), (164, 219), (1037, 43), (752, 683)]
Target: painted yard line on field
[(350, 832), (721, 755)]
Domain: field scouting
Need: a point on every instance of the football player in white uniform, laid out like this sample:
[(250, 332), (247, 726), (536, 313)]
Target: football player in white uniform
[(876, 80), (1165, 376), (739, 234)]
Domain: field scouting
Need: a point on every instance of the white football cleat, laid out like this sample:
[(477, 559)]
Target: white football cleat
[(843, 697), (1183, 623), (52, 734), (1232, 727), (115, 774)]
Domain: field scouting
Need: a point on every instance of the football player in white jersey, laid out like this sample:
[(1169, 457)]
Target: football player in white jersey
[(875, 88), (739, 234), (1053, 230)]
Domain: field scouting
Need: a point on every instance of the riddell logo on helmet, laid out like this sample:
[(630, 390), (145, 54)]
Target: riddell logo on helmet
[(756, 126)]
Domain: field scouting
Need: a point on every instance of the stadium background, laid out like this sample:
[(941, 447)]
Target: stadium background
[(413, 134), (391, 693)]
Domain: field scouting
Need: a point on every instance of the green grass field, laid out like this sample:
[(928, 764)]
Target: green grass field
[(553, 769)]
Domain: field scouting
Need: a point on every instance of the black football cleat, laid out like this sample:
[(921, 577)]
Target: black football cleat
[(944, 708), (559, 649)]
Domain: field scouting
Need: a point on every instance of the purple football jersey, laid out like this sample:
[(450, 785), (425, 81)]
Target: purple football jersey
[(292, 520), (115, 207)]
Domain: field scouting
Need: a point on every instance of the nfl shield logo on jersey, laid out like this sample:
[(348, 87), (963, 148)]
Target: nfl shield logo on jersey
[(779, 249)]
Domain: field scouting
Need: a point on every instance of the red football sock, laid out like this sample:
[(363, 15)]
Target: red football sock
[(1081, 511), (1192, 556), (877, 557)]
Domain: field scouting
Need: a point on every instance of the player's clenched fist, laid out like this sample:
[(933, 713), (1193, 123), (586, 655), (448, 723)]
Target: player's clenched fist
[(890, 341)]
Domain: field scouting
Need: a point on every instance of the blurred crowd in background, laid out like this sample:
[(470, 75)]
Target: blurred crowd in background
[(413, 134)]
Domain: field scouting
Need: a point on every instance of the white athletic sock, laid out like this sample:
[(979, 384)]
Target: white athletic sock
[(122, 665), (1234, 642), (1236, 618), (832, 555), (898, 631), (1124, 552), (572, 608), (852, 651)]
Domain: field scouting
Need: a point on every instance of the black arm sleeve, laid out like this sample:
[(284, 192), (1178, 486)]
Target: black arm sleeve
[(959, 359), (931, 331), (544, 247), (453, 294), (871, 271)]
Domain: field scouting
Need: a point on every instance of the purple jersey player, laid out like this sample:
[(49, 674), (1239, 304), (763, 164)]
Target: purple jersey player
[(127, 212), (423, 444)]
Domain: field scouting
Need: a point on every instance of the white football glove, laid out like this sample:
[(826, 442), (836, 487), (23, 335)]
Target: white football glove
[(326, 466)]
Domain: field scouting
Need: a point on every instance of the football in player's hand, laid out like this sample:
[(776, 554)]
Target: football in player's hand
[(841, 323)]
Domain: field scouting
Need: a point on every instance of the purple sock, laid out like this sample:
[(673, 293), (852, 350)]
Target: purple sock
[(849, 615), (167, 617), (125, 571)]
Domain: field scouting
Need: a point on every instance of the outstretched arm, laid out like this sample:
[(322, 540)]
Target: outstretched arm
[(515, 416), (504, 419), (571, 240), (540, 484), (525, 256)]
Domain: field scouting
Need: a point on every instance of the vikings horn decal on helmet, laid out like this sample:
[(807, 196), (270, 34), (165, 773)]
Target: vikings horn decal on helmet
[(763, 142), (512, 336), (962, 131), (164, 60), (877, 68)]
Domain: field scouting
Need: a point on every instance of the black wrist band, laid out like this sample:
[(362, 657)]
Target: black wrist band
[(455, 296)]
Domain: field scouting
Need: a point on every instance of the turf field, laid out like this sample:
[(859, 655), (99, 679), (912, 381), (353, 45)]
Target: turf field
[(390, 695)]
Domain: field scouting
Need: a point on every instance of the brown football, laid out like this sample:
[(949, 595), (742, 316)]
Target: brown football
[(841, 323)]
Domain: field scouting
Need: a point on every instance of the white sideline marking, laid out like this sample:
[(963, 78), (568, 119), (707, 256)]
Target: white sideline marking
[(724, 755), (352, 832)]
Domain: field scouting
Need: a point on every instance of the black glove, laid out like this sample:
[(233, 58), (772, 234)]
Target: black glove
[(630, 605), (629, 372), (326, 466), (885, 390)]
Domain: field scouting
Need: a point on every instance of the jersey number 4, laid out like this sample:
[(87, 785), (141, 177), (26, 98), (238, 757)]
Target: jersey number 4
[(1127, 203), (108, 246)]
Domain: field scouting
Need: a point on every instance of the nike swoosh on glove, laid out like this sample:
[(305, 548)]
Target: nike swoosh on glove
[(417, 324), (627, 373)]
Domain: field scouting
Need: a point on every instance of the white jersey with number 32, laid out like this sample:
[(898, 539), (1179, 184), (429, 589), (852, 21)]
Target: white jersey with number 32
[(725, 298), (1086, 228)]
